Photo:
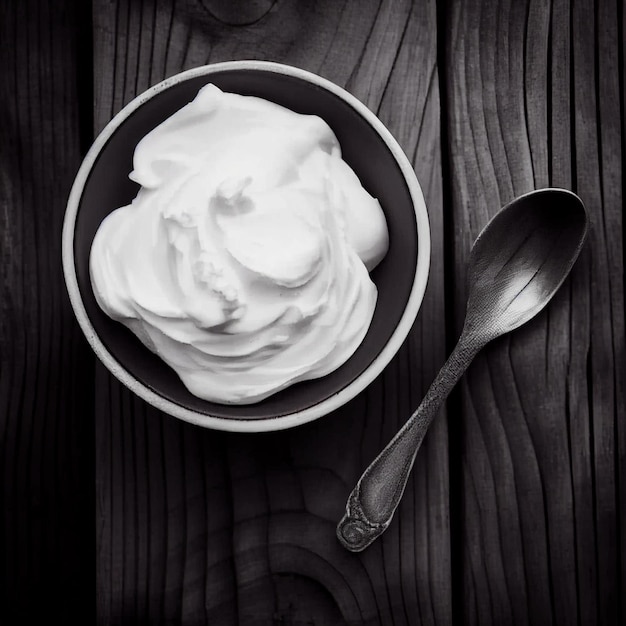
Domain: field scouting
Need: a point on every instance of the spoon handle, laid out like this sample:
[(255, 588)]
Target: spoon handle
[(373, 501)]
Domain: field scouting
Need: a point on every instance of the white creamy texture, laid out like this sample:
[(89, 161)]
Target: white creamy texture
[(243, 261)]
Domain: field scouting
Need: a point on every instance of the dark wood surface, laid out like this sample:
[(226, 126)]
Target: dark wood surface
[(111, 512), (47, 545)]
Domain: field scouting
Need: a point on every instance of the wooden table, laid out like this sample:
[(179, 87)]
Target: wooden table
[(516, 510)]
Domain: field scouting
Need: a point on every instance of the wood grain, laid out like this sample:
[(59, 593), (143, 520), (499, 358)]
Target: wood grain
[(198, 526), (536, 99), (194, 526), (46, 427)]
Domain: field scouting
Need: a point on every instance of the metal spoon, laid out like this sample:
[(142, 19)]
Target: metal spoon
[(517, 263)]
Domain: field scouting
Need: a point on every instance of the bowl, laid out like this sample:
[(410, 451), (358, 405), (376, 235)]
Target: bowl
[(102, 185)]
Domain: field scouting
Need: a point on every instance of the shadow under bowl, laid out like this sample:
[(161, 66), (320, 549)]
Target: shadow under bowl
[(102, 185)]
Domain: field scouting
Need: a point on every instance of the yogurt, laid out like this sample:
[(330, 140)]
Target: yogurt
[(244, 260)]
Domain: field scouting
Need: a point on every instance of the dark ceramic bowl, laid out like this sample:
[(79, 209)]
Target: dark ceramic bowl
[(102, 185)]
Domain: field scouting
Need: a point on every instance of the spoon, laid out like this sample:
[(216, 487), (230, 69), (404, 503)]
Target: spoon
[(517, 264)]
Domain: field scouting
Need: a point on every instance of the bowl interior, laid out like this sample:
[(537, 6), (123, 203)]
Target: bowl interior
[(108, 187)]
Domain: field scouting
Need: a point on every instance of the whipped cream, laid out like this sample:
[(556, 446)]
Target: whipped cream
[(243, 261)]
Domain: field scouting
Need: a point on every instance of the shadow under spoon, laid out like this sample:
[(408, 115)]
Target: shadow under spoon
[(516, 265)]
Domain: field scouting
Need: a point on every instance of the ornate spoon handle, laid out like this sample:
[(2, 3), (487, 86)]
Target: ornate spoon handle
[(373, 501)]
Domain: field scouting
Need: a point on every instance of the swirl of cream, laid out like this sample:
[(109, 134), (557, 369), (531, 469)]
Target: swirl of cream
[(243, 261)]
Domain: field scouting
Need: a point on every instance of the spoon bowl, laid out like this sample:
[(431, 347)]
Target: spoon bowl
[(516, 265), (522, 257)]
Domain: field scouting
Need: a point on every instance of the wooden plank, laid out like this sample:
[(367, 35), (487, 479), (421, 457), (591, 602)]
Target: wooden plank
[(536, 99), (195, 525), (46, 384)]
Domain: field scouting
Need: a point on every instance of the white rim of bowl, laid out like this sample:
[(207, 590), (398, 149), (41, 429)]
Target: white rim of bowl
[(325, 406)]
